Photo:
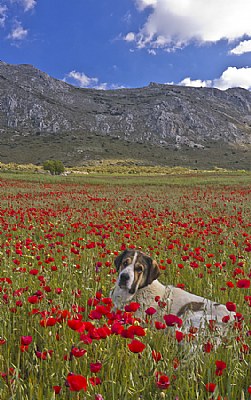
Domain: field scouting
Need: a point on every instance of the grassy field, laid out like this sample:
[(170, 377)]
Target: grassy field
[(59, 335)]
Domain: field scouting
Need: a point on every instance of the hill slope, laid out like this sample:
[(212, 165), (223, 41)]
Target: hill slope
[(41, 118)]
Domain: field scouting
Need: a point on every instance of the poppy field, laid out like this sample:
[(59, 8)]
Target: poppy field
[(61, 338)]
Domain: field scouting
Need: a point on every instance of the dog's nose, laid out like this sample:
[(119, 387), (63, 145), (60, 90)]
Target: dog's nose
[(123, 279)]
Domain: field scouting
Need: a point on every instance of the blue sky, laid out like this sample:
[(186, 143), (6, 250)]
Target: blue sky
[(110, 44)]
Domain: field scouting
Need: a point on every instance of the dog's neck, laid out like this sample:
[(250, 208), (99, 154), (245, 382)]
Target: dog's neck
[(145, 296)]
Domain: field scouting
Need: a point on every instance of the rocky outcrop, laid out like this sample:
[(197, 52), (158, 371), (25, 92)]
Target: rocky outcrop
[(33, 103)]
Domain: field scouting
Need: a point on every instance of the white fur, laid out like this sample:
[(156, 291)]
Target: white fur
[(175, 299), (130, 271)]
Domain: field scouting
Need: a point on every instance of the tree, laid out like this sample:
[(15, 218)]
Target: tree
[(56, 167)]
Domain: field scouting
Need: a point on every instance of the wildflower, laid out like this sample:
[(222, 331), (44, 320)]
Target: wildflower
[(243, 283), (57, 389), (231, 306), (132, 307), (220, 366), (172, 320), (95, 380), (76, 352), (210, 387), (208, 347), (150, 311), (156, 355), (76, 382), (95, 367), (162, 381), (136, 346), (159, 325), (26, 340), (179, 336)]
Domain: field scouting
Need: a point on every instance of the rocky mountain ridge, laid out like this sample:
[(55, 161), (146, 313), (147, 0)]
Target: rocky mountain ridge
[(169, 117)]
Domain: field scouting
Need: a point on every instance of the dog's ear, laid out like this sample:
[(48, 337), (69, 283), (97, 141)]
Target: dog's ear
[(153, 271), (119, 259)]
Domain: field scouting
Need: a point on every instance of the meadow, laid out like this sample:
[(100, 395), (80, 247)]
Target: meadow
[(60, 337)]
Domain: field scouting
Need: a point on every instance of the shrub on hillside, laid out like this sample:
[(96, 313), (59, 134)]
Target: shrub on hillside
[(55, 167)]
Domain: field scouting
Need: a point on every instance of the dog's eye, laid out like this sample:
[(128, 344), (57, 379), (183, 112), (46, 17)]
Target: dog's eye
[(125, 263), (139, 268)]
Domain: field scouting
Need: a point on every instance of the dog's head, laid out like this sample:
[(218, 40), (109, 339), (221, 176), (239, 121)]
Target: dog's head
[(136, 270)]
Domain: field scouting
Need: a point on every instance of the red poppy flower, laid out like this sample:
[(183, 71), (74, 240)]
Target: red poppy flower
[(231, 306), (208, 347), (75, 324), (225, 319), (162, 382), (76, 382), (220, 366), (132, 307), (172, 320), (57, 389), (136, 346), (95, 367), (136, 330), (243, 283), (210, 387), (156, 355), (150, 311), (95, 380), (51, 321), (26, 340), (76, 352), (179, 336), (24, 348), (159, 325)]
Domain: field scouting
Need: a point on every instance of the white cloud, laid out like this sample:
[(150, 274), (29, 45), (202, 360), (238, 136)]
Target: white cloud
[(179, 22), (234, 77), (80, 79), (130, 37), (29, 4), (18, 33), (26, 4), (142, 4), (230, 78), (243, 47), (195, 83), (3, 15)]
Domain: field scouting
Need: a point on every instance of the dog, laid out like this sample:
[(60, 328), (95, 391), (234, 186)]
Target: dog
[(138, 282)]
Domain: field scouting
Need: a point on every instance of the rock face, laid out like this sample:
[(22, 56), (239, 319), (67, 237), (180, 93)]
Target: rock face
[(32, 103)]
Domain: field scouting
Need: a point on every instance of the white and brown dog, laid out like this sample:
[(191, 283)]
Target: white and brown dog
[(137, 281)]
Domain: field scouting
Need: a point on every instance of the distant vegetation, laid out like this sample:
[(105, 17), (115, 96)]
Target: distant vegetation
[(55, 167)]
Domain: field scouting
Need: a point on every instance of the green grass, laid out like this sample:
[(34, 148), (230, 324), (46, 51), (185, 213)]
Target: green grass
[(63, 226)]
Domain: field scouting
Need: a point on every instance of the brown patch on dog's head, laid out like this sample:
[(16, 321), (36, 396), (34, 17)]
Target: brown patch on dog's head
[(145, 270)]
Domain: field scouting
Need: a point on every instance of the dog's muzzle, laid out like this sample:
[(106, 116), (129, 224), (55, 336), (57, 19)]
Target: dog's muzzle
[(123, 280)]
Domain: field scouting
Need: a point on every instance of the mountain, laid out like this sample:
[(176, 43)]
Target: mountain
[(42, 117)]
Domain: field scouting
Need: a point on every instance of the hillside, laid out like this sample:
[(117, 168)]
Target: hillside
[(42, 118)]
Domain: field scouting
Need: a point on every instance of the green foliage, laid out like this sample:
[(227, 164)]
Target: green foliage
[(55, 167)]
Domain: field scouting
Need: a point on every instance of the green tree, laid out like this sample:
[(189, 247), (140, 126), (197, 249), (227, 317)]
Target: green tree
[(56, 167)]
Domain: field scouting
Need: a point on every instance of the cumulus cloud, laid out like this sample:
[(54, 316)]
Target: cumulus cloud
[(230, 78), (195, 83), (18, 33), (234, 77), (179, 22), (243, 47), (80, 79)]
